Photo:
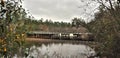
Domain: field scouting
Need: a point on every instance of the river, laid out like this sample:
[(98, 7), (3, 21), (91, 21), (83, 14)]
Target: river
[(59, 50)]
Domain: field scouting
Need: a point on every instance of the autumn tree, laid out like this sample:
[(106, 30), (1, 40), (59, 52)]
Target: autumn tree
[(12, 27)]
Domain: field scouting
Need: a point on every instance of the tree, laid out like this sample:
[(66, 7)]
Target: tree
[(77, 22), (12, 27), (106, 28)]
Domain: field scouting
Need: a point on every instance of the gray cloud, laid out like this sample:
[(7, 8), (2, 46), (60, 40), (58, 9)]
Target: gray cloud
[(60, 10)]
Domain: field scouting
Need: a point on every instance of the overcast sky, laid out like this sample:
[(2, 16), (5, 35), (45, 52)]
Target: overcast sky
[(61, 10)]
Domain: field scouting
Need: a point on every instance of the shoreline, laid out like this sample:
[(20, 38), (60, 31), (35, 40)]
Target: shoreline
[(42, 40)]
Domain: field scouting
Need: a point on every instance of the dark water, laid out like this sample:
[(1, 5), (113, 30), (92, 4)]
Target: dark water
[(59, 50)]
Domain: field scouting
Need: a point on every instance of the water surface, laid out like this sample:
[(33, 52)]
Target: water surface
[(60, 50)]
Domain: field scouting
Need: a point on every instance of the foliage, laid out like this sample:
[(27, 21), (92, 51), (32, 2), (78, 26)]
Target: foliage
[(12, 27), (77, 22), (106, 28), (41, 25)]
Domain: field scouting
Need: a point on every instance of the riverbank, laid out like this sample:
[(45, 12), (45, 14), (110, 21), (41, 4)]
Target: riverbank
[(45, 41), (55, 40)]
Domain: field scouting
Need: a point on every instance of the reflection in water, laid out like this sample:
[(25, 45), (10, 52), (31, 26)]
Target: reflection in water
[(61, 51)]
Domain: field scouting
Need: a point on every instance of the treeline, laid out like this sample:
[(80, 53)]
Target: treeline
[(48, 25), (40, 25)]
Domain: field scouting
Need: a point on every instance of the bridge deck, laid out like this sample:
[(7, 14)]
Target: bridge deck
[(58, 35)]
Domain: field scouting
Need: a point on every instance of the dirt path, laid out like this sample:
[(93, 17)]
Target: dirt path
[(38, 39)]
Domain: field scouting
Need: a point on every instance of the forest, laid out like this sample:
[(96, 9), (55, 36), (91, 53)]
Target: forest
[(49, 25)]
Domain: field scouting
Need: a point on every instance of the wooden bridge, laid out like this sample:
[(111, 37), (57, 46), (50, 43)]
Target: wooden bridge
[(60, 35)]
